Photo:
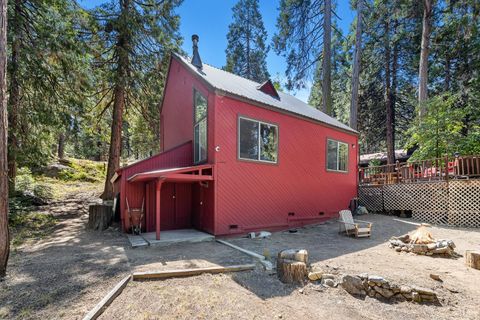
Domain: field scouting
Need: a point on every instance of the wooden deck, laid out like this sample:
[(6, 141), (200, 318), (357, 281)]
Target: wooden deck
[(439, 169)]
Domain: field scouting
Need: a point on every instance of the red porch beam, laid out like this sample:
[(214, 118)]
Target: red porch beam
[(181, 177), (158, 187)]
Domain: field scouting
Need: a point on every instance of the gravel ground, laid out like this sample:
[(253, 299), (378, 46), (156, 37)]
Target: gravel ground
[(259, 295)]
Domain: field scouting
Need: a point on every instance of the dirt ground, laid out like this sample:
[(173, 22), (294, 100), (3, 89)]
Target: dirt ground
[(259, 295), (65, 274)]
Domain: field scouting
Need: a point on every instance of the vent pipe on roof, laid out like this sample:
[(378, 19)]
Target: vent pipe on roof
[(196, 61)]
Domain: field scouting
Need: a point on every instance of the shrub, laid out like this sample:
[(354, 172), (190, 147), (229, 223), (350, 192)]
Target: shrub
[(24, 181), (43, 191)]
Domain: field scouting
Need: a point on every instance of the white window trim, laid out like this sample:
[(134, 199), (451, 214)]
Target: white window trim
[(259, 140), (338, 156), (198, 152)]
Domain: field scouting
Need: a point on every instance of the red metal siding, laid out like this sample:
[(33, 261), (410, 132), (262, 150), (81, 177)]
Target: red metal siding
[(177, 107), (255, 195), (180, 156)]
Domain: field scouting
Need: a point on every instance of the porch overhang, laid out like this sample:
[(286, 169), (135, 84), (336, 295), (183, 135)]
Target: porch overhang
[(183, 174), (200, 173)]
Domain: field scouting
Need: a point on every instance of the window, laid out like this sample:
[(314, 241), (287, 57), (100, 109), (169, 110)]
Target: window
[(257, 140), (337, 155), (200, 127)]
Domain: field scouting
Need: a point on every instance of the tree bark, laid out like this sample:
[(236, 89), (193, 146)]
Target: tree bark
[(356, 68), (425, 48), (100, 216), (4, 233), (388, 98), (292, 265), (14, 98), (61, 145), (122, 48), (327, 59)]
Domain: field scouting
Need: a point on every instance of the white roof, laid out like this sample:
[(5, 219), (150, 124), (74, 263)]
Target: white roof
[(239, 86)]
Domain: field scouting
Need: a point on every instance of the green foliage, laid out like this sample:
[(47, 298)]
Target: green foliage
[(83, 170), (299, 39), (442, 130), (340, 77), (246, 50), (30, 225), (374, 163), (24, 180)]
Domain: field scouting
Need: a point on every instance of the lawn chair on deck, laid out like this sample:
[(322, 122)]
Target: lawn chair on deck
[(358, 228)]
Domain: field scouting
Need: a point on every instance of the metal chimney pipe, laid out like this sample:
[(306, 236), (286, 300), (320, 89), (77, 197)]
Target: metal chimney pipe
[(196, 61)]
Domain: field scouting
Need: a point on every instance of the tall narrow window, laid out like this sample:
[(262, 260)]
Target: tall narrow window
[(257, 140), (337, 156), (200, 127)]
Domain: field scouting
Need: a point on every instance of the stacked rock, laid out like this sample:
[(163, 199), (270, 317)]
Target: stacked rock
[(401, 244), (380, 288)]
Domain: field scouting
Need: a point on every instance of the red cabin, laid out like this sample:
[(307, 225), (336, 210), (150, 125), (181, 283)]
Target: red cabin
[(238, 156)]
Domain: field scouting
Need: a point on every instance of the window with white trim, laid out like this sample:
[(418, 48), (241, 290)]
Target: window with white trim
[(257, 140), (337, 156), (200, 127)]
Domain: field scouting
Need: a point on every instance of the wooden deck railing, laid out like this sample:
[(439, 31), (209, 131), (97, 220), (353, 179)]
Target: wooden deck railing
[(425, 170)]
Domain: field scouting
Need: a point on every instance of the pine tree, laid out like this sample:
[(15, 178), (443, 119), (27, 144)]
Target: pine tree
[(304, 38), (246, 50), (4, 235), (48, 76), (136, 38)]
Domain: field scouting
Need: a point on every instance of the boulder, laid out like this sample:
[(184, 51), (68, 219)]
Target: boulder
[(386, 293), (376, 279), (315, 275), (328, 282), (353, 285), (53, 170)]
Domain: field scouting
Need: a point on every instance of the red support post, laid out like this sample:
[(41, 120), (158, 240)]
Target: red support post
[(158, 186)]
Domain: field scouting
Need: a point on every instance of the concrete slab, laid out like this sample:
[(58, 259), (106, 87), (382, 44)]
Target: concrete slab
[(137, 241), (177, 236)]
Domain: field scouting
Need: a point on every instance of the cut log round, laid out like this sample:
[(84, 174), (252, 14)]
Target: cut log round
[(300, 255), (100, 216), (292, 266), (472, 259)]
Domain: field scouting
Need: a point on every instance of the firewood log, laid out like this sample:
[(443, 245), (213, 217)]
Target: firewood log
[(292, 266), (472, 259)]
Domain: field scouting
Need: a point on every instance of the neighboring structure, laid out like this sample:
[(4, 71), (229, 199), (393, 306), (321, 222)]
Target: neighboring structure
[(238, 157), (401, 155)]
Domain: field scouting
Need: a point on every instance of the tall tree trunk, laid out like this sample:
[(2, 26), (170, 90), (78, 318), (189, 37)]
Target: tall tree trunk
[(327, 59), (4, 234), (61, 145), (388, 98), (356, 68), (423, 68), (447, 73), (14, 98), (115, 149)]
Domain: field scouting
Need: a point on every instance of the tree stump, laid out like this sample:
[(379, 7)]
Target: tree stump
[(100, 216), (472, 259), (292, 265)]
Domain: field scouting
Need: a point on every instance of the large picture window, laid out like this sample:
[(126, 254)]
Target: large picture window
[(200, 127), (257, 140), (337, 155)]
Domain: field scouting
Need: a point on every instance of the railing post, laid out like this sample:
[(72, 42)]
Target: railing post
[(398, 171), (446, 167)]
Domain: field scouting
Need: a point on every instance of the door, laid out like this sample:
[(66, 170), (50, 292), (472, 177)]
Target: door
[(183, 206), (167, 206)]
